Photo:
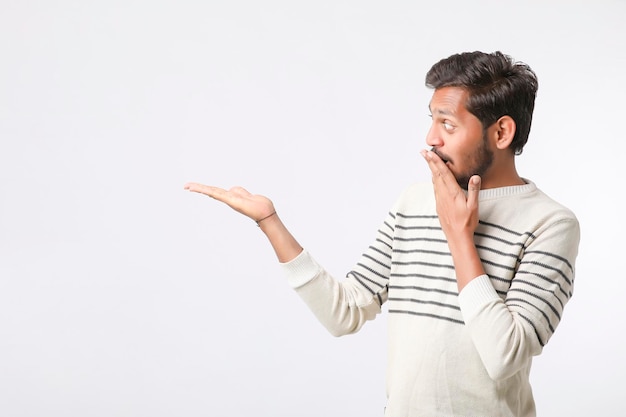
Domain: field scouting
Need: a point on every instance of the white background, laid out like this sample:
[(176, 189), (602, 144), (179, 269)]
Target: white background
[(121, 294)]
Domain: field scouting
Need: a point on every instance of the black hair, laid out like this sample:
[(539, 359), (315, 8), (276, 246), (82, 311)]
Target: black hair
[(497, 86)]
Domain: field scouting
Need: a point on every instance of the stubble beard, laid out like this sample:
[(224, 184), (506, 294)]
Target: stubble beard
[(481, 160)]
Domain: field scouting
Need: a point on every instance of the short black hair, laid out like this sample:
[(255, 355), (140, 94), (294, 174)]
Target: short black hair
[(497, 86)]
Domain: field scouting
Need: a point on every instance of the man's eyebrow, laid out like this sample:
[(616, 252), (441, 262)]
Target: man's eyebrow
[(443, 112)]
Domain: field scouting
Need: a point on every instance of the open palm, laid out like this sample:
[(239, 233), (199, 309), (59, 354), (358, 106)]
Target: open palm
[(254, 206)]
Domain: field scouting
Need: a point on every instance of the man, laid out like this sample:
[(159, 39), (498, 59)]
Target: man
[(476, 267)]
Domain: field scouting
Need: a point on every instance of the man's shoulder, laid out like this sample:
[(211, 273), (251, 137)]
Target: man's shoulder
[(418, 188), (549, 204), (417, 196)]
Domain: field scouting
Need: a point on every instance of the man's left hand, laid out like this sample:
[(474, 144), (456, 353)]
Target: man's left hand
[(457, 210)]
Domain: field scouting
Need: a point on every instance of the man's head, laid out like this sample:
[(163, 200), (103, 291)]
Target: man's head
[(496, 85)]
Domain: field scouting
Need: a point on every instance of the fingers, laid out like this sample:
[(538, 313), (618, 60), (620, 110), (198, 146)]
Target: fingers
[(239, 191), (213, 192), (440, 171), (473, 188), (237, 198), (234, 197), (443, 179)]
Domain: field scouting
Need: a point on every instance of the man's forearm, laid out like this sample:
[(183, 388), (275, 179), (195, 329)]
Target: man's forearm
[(285, 245), (466, 260)]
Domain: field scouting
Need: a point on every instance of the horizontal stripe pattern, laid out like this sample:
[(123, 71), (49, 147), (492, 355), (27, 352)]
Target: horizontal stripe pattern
[(410, 266)]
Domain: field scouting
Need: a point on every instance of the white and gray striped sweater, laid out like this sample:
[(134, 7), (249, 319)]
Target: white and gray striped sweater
[(452, 354)]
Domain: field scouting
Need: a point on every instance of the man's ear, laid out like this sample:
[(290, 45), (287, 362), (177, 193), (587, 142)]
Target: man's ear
[(504, 131)]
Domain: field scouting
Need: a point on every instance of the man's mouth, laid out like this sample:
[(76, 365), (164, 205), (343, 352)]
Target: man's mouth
[(445, 161)]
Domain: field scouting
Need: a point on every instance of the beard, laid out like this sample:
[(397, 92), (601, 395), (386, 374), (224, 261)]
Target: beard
[(478, 163)]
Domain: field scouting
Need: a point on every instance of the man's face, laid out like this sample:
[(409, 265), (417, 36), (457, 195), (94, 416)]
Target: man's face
[(457, 136)]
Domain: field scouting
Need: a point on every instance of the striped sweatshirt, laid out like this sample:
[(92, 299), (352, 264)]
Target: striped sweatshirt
[(464, 354)]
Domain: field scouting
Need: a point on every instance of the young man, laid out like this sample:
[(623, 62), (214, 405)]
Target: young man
[(476, 267)]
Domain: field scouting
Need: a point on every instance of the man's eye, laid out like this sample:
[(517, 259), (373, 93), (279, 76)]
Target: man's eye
[(447, 126)]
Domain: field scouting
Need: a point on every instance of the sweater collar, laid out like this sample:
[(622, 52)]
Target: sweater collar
[(492, 193)]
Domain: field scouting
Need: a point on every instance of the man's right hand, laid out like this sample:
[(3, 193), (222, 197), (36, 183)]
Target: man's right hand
[(256, 207)]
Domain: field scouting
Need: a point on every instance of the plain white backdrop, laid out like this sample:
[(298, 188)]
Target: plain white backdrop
[(123, 295)]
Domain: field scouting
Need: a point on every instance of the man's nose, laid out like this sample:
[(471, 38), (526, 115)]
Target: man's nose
[(433, 138)]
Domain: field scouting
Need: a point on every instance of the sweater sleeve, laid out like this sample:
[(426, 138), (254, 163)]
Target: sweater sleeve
[(343, 306), (508, 332)]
